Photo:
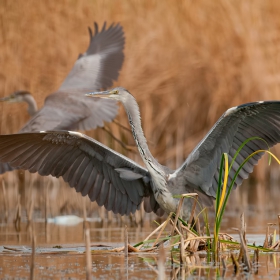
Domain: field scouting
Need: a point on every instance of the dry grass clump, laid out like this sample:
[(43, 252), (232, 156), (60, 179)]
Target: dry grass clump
[(186, 62)]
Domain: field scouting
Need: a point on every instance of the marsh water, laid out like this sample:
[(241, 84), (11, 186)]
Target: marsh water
[(60, 244), (60, 252)]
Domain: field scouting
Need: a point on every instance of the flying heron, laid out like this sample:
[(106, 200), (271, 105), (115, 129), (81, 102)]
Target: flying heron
[(68, 108), (120, 184)]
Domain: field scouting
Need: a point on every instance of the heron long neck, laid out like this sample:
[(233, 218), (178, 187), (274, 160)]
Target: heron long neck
[(32, 105), (134, 119)]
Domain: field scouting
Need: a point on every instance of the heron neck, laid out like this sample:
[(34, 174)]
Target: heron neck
[(32, 105), (134, 119)]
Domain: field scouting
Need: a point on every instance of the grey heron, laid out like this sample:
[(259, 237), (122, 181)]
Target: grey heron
[(120, 184), (68, 108)]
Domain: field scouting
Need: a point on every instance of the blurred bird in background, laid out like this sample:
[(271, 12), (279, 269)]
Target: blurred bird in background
[(68, 108)]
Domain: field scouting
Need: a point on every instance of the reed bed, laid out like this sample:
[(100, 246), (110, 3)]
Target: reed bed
[(186, 62)]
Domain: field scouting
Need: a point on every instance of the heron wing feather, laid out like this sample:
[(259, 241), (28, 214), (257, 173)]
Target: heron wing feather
[(101, 63), (258, 119), (87, 165)]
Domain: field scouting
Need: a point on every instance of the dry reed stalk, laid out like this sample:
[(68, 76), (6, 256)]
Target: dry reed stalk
[(47, 201), (224, 266), (110, 216), (255, 260), (197, 222), (244, 251), (243, 233), (182, 250), (235, 265), (270, 241), (275, 246), (84, 211), (31, 208), (193, 259), (183, 272), (162, 228), (175, 228), (18, 214), (125, 242), (266, 240), (88, 255), (152, 233), (101, 211), (243, 227), (32, 262), (5, 200), (179, 209), (85, 222), (161, 263), (279, 226)]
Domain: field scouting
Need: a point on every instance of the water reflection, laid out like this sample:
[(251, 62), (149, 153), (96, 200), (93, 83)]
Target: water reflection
[(137, 266)]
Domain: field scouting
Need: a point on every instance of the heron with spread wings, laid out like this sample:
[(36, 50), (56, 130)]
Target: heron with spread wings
[(68, 108), (120, 184)]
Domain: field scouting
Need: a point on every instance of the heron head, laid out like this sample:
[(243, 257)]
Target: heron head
[(118, 93), (15, 97)]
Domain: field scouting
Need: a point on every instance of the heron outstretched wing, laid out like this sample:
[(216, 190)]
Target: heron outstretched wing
[(258, 119), (68, 108), (91, 168), (101, 63)]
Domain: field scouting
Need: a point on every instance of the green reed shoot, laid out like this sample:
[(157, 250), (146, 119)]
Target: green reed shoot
[(223, 192)]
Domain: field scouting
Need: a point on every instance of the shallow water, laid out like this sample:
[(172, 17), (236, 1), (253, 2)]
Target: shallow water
[(68, 260), (116, 266)]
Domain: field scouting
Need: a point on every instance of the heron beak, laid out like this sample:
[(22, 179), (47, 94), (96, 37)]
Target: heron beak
[(103, 94)]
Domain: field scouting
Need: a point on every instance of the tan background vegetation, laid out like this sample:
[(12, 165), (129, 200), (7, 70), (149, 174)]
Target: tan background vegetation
[(186, 62)]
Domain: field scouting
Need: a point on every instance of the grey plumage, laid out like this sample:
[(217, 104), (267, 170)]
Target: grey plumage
[(120, 184), (68, 108)]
